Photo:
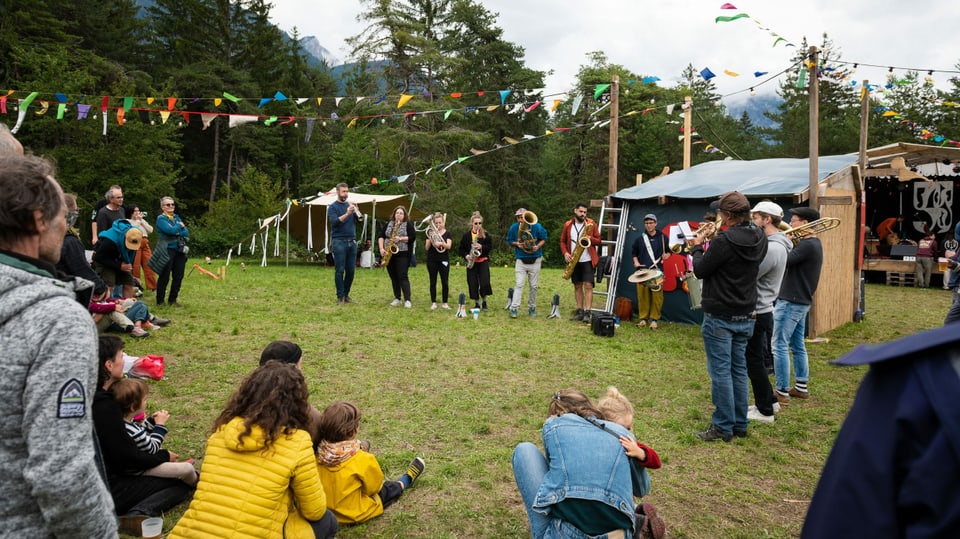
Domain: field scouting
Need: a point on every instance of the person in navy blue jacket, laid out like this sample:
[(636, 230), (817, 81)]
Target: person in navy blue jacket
[(894, 468)]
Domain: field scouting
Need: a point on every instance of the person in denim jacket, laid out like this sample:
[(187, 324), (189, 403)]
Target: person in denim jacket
[(173, 236), (584, 486)]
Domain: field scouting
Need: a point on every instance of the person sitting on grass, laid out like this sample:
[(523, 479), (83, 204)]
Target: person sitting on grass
[(585, 484), (149, 432), (617, 408), (351, 476), (290, 352), (259, 474)]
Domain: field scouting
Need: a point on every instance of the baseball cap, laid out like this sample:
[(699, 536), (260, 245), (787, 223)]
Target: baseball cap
[(734, 202), (520, 212), (769, 208), (132, 238), (650, 216), (805, 213), (283, 351)]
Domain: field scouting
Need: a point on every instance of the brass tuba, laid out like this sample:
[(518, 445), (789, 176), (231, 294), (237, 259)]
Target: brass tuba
[(528, 243), (391, 247), (813, 227), (583, 242)]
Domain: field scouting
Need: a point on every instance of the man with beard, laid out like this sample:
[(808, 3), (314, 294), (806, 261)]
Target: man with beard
[(343, 239), (581, 227), (729, 271)]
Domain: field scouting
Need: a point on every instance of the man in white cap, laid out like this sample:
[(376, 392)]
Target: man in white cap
[(766, 215), (528, 251), (650, 249)]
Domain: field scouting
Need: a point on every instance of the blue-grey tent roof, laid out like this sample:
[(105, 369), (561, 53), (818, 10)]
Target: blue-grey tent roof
[(763, 177)]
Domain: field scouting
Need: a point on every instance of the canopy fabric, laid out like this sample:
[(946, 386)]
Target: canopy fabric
[(760, 178), (308, 220)]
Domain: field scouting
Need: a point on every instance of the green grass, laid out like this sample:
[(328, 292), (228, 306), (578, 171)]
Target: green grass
[(463, 393)]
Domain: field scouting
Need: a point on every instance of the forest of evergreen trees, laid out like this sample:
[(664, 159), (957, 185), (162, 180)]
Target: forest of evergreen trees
[(206, 52)]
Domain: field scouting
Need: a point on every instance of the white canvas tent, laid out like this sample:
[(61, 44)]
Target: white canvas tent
[(307, 221)]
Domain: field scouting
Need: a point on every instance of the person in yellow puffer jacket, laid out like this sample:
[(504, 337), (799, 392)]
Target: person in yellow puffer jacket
[(350, 474), (259, 475)]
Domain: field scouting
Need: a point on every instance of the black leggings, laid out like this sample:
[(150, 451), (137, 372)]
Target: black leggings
[(397, 268), (144, 495), (442, 268)]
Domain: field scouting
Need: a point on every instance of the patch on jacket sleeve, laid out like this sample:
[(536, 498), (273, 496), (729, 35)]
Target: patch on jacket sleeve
[(72, 402)]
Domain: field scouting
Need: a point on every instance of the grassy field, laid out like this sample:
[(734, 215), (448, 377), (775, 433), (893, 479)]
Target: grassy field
[(462, 393)]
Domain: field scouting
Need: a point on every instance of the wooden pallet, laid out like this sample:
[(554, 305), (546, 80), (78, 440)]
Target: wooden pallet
[(896, 278)]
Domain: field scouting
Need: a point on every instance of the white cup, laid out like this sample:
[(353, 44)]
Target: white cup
[(476, 313), (151, 528)]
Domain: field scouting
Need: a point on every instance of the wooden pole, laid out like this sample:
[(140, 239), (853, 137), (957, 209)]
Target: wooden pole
[(814, 160), (614, 135), (861, 184), (814, 128), (687, 130)]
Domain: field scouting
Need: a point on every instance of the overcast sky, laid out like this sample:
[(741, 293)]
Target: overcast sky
[(659, 38)]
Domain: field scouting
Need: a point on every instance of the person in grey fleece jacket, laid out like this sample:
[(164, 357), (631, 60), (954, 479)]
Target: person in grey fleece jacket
[(49, 480), (768, 216)]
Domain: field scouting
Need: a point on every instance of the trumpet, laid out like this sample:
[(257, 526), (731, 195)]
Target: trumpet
[(528, 243), (436, 239), (813, 227), (710, 229)]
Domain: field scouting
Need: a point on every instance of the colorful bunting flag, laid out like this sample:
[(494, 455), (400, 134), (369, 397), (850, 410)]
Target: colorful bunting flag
[(731, 18), (707, 74)]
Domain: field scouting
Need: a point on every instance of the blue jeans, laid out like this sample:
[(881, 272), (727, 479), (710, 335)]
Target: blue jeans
[(345, 265), (953, 315), (725, 343), (529, 468), (789, 326), (138, 312)]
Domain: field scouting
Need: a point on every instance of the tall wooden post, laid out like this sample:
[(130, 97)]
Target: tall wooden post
[(814, 128), (687, 130), (614, 135)]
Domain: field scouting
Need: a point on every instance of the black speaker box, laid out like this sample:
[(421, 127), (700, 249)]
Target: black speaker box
[(603, 324)]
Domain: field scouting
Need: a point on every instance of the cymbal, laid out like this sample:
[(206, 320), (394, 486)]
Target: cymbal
[(643, 275)]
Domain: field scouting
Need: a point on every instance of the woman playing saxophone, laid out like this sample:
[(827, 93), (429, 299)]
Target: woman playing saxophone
[(438, 246), (396, 239), (475, 247)]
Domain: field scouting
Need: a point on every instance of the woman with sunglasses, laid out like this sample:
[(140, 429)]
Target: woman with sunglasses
[(475, 247), (172, 235)]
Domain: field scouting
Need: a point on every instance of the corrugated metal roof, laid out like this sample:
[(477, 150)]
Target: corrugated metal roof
[(763, 177)]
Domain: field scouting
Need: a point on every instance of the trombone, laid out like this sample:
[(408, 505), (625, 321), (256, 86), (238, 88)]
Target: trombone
[(813, 227)]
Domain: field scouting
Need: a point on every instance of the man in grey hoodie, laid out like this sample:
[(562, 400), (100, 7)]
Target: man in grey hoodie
[(48, 350), (766, 215)]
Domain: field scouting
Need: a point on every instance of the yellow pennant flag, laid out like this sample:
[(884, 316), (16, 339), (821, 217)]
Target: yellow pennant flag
[(217, 101), (404, 98), (150, 100), (556, 103), (164, 114), (729, 73), (319, 100), (353, 123), (492, 108)]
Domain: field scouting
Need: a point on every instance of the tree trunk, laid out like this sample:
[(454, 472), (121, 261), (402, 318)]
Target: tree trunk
[(216, 161)]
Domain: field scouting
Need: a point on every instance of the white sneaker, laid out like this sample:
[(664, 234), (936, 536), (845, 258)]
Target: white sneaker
[(407, 304), (446, 306), (395, 303), (755, 415), (433, 306), (776, 408)]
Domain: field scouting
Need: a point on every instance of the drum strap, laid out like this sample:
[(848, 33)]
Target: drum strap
[(646, 241)]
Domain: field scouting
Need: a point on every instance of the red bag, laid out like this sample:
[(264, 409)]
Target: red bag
[(148, 367)]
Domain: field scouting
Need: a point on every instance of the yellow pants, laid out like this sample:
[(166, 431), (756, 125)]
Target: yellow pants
[(649, 303)]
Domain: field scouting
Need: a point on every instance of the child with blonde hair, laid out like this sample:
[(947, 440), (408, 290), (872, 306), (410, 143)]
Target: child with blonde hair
[(148, 433), (351, 476), (617, 408)]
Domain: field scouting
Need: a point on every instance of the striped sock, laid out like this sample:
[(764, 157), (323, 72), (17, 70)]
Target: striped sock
[(801, 386)]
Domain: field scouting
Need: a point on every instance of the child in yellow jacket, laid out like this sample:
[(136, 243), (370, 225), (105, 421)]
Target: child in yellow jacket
[(350, 474)]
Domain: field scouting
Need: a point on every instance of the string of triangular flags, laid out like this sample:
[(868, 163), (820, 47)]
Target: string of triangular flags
[(918, 130)]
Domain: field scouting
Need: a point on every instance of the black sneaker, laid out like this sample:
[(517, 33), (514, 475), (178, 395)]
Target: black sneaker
[(712, 435), (415, 469), (483, 306), (346, 299), (578, 316), (157, 321), (740, 433)]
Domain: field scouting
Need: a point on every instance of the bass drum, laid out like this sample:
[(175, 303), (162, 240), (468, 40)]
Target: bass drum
[(691, 285)]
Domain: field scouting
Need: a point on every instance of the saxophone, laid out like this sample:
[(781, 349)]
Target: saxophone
[(527, 242), (391, 247), (582, 243)]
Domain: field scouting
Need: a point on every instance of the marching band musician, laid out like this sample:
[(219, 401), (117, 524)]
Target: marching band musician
[(729, 272), (582, 277), (343, 241), (478, 276), (649, 251), (401, 232), (438, 262), (529, 258)]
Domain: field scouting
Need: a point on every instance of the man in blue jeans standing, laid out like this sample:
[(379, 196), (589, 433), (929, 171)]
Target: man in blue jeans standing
[(343, 236), (790, 313), (729, 271)]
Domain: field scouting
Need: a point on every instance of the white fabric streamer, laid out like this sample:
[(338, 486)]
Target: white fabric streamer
[(310, 227)]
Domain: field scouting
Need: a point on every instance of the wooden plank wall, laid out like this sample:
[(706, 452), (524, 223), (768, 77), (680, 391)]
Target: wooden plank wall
[(834, 299)]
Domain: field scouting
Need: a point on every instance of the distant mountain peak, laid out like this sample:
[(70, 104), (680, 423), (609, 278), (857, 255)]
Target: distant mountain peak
[(312, 47)]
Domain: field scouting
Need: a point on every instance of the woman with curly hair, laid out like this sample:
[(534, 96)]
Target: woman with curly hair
[(259, 475), (584, 486)]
